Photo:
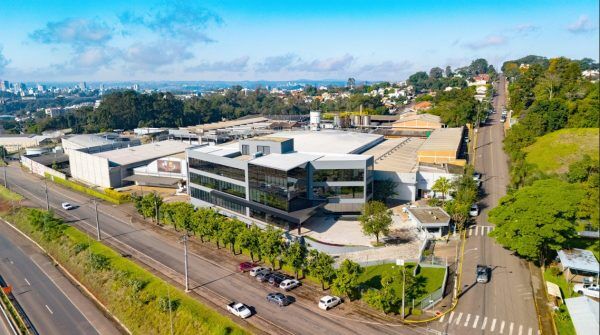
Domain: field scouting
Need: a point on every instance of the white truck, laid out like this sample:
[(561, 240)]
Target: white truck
[(239, 309)]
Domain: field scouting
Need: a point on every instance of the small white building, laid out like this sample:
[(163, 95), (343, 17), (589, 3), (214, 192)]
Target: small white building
[(433, 220)]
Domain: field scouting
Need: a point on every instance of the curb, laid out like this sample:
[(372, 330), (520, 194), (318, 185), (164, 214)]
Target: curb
[(71, 277)]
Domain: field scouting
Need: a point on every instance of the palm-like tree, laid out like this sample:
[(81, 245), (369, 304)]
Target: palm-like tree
[(442, 185)]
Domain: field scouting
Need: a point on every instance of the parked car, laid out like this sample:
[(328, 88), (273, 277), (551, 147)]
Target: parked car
[(591, 290), (503, 118), (279, 298), (247, 266), (483, 274), (239, 309), (276, 278), (264, 276), (329, 301), (289, 284), (474, 211), (258, 269), (67, 206)]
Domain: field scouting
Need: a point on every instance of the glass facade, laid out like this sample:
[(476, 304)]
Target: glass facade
[(285, 190), (339, 192), (217, 200), (215, 184), (218, 169), (338, 175), (265, 217)]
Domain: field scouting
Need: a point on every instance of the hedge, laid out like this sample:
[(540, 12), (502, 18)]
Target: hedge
[(109, 195)]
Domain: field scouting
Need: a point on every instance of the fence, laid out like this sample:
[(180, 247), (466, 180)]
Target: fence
[(40, 169)]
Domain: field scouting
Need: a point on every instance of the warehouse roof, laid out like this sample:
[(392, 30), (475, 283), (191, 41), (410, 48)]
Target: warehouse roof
[(144, 152), (227, 124), (284, 162), (584, 314), (330, 141), (443, 139), (425, 117), (400, 156)]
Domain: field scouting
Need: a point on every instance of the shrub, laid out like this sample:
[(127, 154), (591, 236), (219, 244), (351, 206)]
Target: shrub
[(99, 262), (79, 247), (555, 271), (167, 304), (119, 196)]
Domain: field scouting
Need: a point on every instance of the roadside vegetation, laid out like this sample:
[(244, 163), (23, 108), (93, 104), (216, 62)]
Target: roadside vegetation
[(142, 301), (107, 194)]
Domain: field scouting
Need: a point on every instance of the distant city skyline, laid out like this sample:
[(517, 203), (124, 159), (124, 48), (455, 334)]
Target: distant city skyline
[(59, 41)]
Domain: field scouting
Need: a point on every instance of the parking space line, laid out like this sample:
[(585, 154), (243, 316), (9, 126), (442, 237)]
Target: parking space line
[(467, 320), (484, 323), (510, 328), (520, 329), (493, 325), (458, 318), (476, 321), (502, 327), (476, 230)]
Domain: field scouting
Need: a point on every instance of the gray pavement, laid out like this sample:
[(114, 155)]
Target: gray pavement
[(212, 282), (505, 305), (51, 302)]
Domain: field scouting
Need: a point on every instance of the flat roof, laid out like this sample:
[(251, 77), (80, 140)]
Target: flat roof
[(268, 138), (144, 152), (443, 139), (330, 141), (399, 158), (584, 314), (48, 159), (230, 123), (430, 216), (88, 140), (579, 259), (284, 162)]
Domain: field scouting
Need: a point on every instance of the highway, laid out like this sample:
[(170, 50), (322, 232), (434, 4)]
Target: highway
[(505, 305), (213, 281), (51, 302)]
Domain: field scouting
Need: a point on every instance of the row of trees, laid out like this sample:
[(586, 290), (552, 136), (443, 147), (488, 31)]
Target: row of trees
[(439, 79), (464, 194)]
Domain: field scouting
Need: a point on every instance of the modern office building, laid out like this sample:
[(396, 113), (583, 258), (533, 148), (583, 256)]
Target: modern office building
[(284, 178)]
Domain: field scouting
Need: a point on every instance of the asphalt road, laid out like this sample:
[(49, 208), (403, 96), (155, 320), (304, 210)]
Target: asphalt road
[(504, 305), (46, 296), (214, 282)]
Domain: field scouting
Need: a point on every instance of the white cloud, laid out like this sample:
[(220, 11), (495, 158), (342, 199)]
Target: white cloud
[(151, 56), (582, 25), (526, 28), (3, 60), (277, 63), (77, 32), (488, 41), (235, 65), (335, 64)]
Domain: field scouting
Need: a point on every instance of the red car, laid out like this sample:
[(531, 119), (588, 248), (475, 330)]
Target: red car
[(246, 266)]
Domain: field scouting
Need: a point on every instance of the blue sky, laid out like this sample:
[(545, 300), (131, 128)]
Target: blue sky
[(280, 40)]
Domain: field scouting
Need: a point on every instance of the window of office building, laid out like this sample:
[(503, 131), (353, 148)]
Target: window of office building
[(215, 184), (285, 190), (338, 175), (217, 200), (339, 192), (218, 169)]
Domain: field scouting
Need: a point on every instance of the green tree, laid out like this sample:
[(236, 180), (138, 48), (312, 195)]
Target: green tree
[(537, 219), (249, 239), (320, 266), (271, 244), (384, 189), (207, 223), (295, 256), (230, 228), (375, 219), (346, 279), (442, 185), (385, 299)]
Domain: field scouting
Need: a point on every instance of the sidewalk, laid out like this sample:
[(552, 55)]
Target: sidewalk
[(546, 323)]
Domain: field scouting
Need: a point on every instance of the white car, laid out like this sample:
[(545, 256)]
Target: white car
[(239, 309), (328, 302), (258, 269), (67, 206), (474, 211), (289, 284), (591, 290)]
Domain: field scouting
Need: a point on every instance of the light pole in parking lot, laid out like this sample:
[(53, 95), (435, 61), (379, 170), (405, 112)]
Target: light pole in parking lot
[(184, 240), (97, 221), (46, 191)]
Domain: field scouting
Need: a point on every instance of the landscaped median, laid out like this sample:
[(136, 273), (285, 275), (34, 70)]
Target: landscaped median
[(144, 303)]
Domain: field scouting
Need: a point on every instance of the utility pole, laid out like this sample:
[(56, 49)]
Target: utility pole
[(46, 191), (170, 309), (156, 207), (403, 284), (455, 291), (184, 239), (97, 221)]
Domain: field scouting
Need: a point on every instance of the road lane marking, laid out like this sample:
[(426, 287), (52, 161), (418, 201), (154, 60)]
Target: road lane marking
[(451, 316), (520, 329), (530, 331), (442, 318), (27, 281), (510, 328), (467, 320), (49, 310), (493, 325), (502, 327), (458, 318), (476, 230), (484, 323), (476, 321)]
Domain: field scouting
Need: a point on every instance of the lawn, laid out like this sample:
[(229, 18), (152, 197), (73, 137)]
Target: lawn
[(371, 277), (554, 152), (8, 195)]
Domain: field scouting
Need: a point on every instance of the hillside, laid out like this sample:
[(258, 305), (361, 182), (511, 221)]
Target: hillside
[(553, 152)]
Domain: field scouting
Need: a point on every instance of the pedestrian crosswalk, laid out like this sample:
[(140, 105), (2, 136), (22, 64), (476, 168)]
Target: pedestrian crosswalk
[(479, 230), (494, 325)]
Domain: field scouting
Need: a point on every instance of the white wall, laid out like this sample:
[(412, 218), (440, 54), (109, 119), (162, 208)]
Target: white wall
[(40, 169), (406, 189), (425, 180), (89, 168)]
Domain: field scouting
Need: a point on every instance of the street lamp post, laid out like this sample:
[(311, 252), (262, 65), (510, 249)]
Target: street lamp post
[(184, 239), (46, 191), (98, 237)]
